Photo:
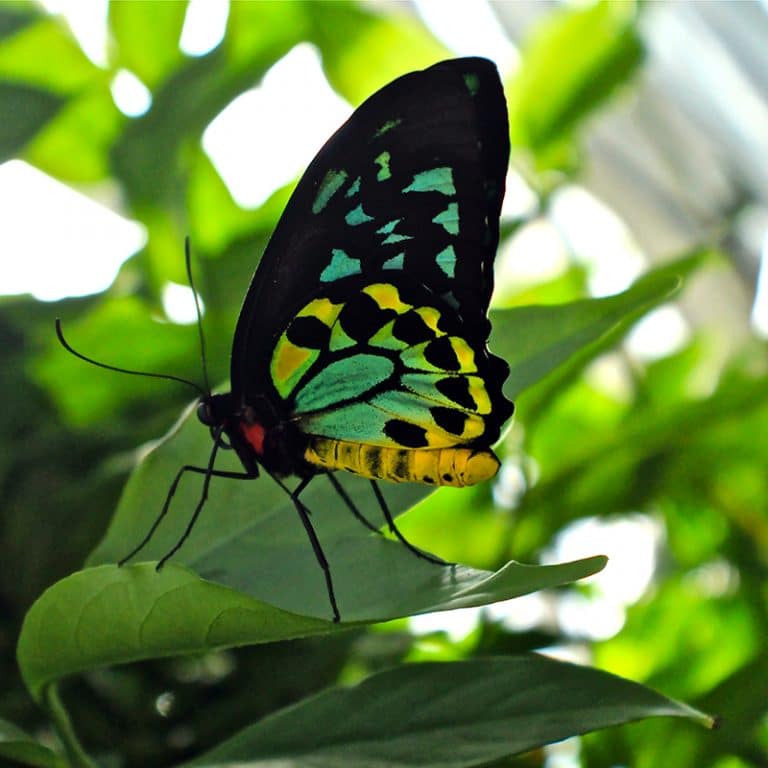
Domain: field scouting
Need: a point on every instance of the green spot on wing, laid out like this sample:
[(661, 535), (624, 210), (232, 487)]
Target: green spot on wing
[(341, 266), (434, 180), (396, 239), (388, 126), (449, 219), (357, 422), (385, 338), (388, 228), (286, 386), (353, 189), (328, 188), (396, 262), (343, 380), (383, 162), (392, 236), (446, 260), (472, 82), (339, 338), (357, 216)]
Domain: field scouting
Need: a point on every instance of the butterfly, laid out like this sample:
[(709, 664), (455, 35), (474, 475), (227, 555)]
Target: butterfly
[(362, 341)]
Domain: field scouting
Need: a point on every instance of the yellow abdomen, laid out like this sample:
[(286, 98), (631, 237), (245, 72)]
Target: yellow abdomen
[(434, 466)]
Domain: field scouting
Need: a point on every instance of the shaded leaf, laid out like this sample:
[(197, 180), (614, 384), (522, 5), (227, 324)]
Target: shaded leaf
[(13, 19), (23, 749), (25, 111), (448, 715), (75, 146)]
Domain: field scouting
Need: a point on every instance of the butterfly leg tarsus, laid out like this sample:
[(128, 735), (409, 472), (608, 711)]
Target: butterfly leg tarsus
[(398, 534)]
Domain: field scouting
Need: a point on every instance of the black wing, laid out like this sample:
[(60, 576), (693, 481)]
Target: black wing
[(412, 183)]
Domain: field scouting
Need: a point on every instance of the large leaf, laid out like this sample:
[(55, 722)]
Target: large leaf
[(587, 328), (447, 715), (537, 340), (111, 615)]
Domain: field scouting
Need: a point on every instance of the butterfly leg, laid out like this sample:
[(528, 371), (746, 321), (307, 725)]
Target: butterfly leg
[(351, 504), (396, 531), (316, 547), (203, 498), (209, 472)]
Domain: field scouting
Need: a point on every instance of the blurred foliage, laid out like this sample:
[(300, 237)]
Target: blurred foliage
[(684, 442)]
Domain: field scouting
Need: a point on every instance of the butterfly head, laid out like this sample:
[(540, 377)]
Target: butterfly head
[(215, 412)]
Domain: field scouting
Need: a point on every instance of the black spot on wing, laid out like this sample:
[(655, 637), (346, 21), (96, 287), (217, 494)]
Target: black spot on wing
[(361, 317), (404, 433), (448, 419), (457, 389), (441, 354), (411, 328), (308, 331)]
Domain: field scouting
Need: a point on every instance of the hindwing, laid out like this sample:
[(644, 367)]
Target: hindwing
[(388, 364)]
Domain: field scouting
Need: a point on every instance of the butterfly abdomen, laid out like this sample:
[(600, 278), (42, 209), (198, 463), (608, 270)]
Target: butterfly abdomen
[(435, 466)]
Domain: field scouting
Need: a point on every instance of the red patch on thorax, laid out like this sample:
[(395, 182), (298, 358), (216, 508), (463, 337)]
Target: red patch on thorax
[(254, 434)]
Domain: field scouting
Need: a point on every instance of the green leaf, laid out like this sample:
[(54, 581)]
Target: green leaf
[(377, 47), (147, 34), (444, 714), (75, 146), (110, 615), (149, 158), (18, 746), (64, 69), (577, 57), (12, 19), (25, 111), (121, 332), (536, 340)]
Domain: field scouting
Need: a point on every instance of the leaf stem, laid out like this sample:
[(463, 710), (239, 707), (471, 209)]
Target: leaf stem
[(75, 753)]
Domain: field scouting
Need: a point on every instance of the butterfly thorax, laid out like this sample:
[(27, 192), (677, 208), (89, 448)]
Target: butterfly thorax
[(258, 435)]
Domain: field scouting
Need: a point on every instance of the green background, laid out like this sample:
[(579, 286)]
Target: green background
[(691, 458)]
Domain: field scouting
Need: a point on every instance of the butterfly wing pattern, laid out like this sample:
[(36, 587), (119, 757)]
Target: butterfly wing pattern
[(361, 344)]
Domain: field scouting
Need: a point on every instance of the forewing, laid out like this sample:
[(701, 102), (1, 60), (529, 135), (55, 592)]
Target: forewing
[(411, 183)]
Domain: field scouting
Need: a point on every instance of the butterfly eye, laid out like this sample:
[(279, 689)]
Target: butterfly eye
[(205, 414)]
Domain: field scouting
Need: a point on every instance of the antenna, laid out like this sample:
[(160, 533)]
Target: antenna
[(188, 261), (167, 376)]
